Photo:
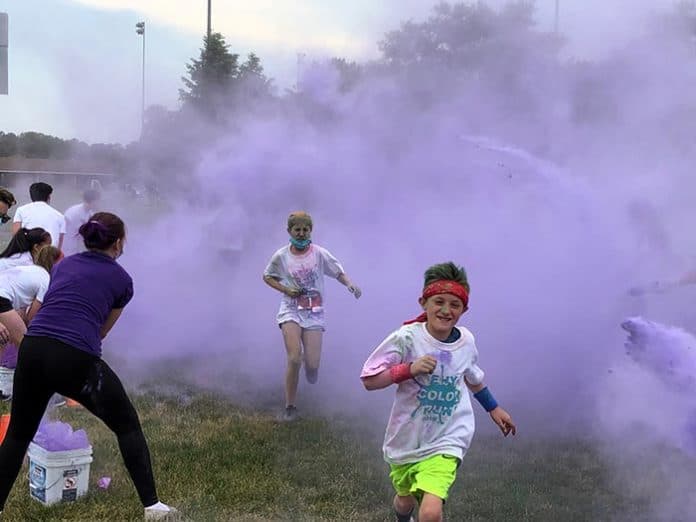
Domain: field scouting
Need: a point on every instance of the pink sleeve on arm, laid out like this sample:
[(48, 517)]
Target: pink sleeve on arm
[(386, 355)]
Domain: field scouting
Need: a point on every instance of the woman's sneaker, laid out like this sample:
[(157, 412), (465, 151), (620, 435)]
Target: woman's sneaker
[(161, 511)]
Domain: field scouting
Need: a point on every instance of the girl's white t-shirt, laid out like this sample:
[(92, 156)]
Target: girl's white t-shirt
[(432, 414), (22, 284), (306, 272), (21, 259)]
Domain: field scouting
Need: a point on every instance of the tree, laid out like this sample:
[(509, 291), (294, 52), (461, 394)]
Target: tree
[(210, 76), (252, 85), (8, 144), (469, 37), (350, 73)]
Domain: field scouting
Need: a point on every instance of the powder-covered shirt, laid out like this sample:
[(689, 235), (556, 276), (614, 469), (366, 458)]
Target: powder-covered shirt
[(21, 259), (41, 214), (432, 414), (22, 284), (84, 288), (304, 271)]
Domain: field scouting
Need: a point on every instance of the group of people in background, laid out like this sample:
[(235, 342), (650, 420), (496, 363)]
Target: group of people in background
[(57, 310), (40, 237)]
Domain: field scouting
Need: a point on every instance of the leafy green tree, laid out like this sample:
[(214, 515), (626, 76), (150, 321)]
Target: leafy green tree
[(210, 76), (8, 144), (219, 85), (350, 73), (469, 36), (34, 145), (253, 84)]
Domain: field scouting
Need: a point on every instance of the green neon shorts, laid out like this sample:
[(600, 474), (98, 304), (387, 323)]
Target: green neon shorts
[(434, 475)]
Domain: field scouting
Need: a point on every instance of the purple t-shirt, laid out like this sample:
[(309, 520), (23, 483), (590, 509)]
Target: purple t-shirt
[(84, 289)]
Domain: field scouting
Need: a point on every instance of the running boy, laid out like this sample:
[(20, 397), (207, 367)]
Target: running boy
[(297, 271), (432, 361)]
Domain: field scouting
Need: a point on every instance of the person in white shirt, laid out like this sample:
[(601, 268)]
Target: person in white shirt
[(22, 290), (22, 250), (297, 271), (433, 362), (75, 217), (39, 213), (23, 247), (7, 199)]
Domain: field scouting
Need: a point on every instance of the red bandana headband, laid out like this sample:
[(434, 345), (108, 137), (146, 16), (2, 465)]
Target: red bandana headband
[(442, 287)]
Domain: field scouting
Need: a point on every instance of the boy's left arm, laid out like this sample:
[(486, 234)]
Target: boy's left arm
[(498, 414), (352, 288)]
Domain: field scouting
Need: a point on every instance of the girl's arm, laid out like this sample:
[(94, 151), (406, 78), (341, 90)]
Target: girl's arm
[(110, 321), (33, 309), (277, 285), (345, 280)]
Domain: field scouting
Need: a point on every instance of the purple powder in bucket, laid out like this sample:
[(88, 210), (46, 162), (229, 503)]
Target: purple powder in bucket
[(59, 436)]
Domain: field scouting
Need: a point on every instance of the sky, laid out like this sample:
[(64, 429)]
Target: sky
[(75, 65)]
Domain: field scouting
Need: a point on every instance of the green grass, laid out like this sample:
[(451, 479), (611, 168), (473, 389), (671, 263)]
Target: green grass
[(216, 461)]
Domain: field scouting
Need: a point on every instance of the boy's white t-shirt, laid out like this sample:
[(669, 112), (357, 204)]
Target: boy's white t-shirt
[(22, 284), (432, 414), (41, 214), (305, 271), (75, 217), (23, 258)]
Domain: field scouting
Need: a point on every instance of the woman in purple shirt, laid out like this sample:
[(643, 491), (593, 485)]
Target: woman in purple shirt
[(61, 353)]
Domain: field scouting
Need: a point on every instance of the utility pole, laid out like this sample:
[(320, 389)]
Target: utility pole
[(209, 19), (140, 29), (3, 52)]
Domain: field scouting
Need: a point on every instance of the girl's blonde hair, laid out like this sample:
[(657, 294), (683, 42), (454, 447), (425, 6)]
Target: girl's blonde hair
[(48, 256)]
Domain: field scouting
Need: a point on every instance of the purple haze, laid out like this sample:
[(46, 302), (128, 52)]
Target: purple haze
[(530, 186)]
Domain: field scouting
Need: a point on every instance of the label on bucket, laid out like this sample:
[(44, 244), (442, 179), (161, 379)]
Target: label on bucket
[(70, 485), (69, 495), (37, 481)]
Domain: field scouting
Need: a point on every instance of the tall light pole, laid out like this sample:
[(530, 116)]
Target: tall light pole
[(209, 19), (3, 52), (140, 29)]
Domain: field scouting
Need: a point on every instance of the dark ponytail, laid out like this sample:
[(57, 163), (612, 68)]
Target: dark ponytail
[(24, 240), (102, 230)]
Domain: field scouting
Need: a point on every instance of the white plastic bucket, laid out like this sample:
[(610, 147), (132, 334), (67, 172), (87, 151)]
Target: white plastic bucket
[(58, 476), (6, 378)]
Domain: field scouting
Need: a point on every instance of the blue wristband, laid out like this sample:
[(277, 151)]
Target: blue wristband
[(486, 399)]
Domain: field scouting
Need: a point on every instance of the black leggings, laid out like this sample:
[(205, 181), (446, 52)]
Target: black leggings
[(47, 366)]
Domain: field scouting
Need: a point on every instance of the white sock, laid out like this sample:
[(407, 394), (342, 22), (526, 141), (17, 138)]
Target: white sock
[(160, 506)]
